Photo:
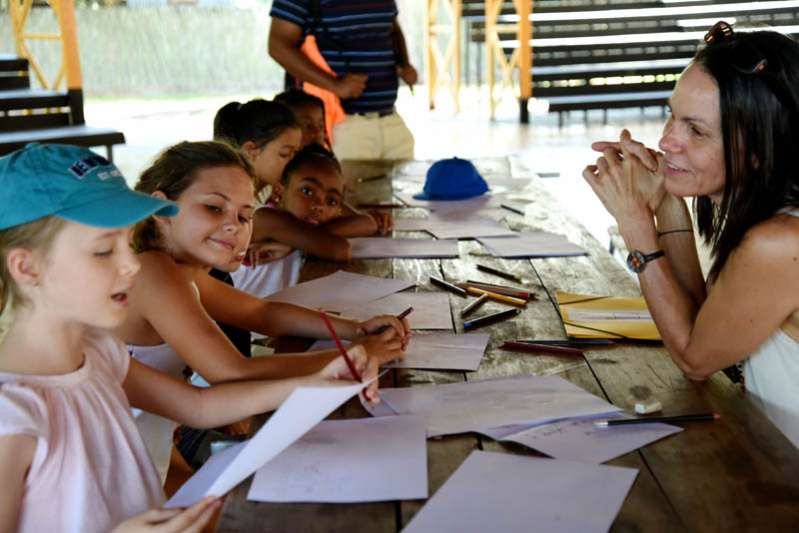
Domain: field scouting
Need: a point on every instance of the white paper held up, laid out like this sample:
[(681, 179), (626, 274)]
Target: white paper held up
[(340, 290), (343, 461), (512, 493), (302, 410)]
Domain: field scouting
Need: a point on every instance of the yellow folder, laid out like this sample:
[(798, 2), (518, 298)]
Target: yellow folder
[(587, 316)]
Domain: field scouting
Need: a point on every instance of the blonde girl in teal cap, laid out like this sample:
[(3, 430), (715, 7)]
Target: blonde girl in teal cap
[(71, 458)]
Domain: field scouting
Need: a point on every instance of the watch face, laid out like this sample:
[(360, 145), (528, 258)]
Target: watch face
[(636, 261)]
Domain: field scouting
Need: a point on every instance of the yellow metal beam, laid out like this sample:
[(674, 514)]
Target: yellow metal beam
[(70, 57)]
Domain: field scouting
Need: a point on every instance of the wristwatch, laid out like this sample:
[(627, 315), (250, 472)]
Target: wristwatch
[(637, 260)]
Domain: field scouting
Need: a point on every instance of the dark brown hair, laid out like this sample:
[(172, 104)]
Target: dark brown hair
[(757, 74), (174, 171)]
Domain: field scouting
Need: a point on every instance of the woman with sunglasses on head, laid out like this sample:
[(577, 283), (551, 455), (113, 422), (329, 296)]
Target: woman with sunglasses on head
[(731, 143)]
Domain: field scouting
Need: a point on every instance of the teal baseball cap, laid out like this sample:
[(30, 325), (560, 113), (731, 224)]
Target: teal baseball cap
[(73, 183)]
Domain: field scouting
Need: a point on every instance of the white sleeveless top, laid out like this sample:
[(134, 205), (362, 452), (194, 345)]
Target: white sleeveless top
[(771, 375), (269, 278), (155, 430)]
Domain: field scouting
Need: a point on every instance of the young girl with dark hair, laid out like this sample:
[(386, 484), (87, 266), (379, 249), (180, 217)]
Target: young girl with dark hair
[(731, 143), (310, 113), (313, 216)]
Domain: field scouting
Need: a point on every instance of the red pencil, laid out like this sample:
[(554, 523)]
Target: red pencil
[(340, 346)]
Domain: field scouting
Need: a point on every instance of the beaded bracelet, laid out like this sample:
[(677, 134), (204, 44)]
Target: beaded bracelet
[(662, 233)]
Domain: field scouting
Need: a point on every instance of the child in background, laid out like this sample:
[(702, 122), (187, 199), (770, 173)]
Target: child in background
[(313, 216), (269, 135), (175, 301), (310, 113), (71, 458)]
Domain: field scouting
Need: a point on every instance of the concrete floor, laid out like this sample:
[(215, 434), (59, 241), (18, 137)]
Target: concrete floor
[(151, 125)]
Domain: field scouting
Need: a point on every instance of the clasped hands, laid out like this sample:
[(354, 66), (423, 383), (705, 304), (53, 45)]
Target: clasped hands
[(627, 178)]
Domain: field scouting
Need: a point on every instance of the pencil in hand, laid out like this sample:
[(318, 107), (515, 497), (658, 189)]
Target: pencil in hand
[(340, 346)]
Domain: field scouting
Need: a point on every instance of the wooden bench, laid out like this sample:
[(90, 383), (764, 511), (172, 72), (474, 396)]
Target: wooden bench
[(592, 55), (36, 115)]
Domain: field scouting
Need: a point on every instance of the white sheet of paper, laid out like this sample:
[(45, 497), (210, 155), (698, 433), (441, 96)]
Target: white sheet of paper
[(340, 290), (343, 461), (302, 410), (531, 244), (474, 405), (439, 351), (454, 229), (384, 247), (577, 439), (444, 351), (430, 309), (513, 493)]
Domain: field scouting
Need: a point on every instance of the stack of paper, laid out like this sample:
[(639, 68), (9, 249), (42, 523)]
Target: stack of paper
[(342, 461), (511, 493), (340, 290), (301, 411), (444, 228), (478, 405), (531, 244), (577, 439), (587, 316), (384, 247)]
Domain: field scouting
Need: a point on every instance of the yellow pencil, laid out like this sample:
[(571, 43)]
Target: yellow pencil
[(497, 297)]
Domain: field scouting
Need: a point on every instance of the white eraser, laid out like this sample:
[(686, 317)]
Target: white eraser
[(647, 408)]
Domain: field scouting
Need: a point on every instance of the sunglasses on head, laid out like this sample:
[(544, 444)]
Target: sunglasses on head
[(748, 59)]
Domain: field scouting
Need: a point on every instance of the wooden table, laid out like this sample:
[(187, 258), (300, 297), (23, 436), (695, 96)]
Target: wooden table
[(736, 474)]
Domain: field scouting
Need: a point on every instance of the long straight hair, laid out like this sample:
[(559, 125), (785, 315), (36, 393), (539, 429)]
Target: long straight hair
[(759, 106)]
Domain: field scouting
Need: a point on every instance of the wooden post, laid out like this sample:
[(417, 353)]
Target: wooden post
[(430, 63), (69, 42), (492, 8), (525, 34), (456, 54)]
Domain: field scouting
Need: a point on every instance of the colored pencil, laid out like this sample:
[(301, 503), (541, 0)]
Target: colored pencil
[(372, 178), (515, 346), (381, 206), (512, 208), (499, 289), (652, 419), (570, 342), (473, 306), (500, 273), (497, 297), (448, 286), (400, 316), (340, 346), (490, 319)]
